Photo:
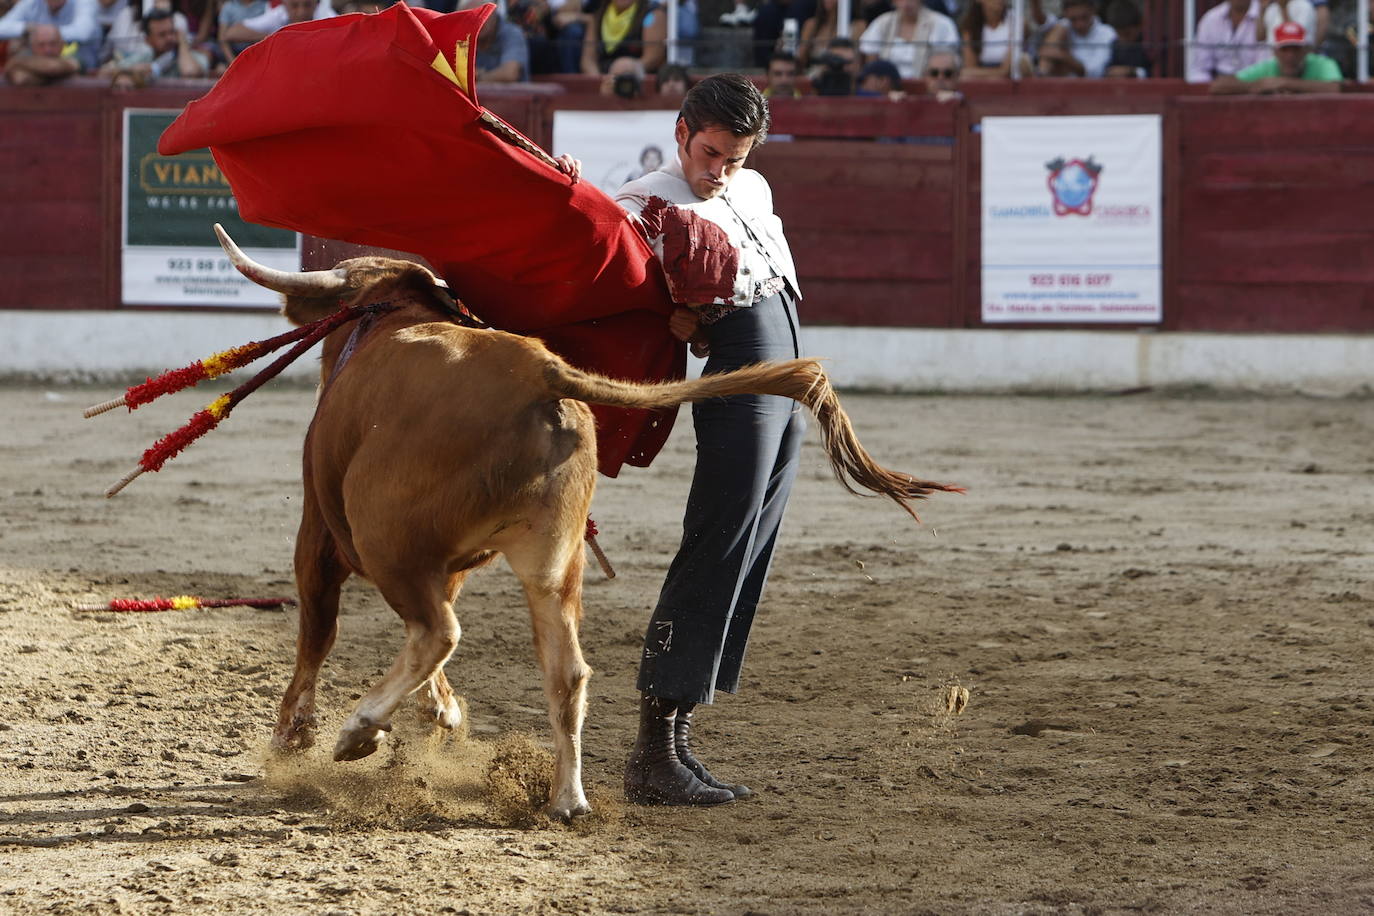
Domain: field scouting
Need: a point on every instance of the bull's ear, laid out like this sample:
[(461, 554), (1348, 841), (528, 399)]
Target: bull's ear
[(301, 310)]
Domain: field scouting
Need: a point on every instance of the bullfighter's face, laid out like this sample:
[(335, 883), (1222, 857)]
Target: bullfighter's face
[(710, 157)]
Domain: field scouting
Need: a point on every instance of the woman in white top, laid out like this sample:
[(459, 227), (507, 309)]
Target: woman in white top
[(986, 33), (906, 37)]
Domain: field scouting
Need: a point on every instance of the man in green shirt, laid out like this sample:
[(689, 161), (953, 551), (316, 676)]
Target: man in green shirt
[(1293, 68)]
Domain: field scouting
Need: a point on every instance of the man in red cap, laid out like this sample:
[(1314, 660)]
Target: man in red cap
[(1295, 67)]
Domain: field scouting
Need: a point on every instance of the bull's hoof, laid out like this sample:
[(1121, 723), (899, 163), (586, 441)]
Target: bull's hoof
[(358, 742), (284, 745), (565, 812), (298, 735), (446, 715)]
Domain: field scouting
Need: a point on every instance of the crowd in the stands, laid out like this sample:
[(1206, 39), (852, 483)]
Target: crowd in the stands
[(1266, 46)]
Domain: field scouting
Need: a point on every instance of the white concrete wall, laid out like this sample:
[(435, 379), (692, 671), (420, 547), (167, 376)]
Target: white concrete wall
[(108, 345)]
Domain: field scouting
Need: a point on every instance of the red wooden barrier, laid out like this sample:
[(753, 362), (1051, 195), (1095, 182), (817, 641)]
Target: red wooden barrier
[(869, 222), (1274, 197), (52, 180)]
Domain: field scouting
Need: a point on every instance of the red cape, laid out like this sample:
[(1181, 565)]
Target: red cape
[(366, 129)]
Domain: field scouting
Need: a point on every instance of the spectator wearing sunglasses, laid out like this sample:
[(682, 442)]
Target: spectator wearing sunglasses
[(942, 76)]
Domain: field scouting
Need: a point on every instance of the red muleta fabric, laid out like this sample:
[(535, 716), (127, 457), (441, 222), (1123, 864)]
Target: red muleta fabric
[(342, 128)]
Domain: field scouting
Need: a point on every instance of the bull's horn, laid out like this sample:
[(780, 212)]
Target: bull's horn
[(290, 283)]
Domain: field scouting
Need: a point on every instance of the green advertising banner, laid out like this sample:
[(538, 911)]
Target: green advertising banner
[(171, 203)]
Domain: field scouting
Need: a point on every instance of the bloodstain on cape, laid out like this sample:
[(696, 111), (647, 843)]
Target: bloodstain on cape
[(367, 129)]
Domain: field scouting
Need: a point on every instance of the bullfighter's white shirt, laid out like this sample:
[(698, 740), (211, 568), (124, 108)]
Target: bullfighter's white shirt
[(744, 210)]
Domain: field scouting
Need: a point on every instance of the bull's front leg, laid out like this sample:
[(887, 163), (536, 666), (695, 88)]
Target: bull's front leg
[(320, 574), (429, 643)]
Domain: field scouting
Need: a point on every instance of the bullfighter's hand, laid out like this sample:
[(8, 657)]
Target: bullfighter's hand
[(570, 167), (684, 323)]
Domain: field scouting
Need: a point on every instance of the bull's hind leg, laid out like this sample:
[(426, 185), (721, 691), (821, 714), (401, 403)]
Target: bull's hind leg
[(551, 571), (320, 573), (431, 636), (441, 704)]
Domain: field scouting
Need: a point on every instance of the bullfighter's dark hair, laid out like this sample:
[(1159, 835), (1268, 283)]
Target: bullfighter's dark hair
[(730, 101)]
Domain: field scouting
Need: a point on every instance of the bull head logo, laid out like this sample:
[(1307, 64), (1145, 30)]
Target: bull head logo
[(1072, 184)]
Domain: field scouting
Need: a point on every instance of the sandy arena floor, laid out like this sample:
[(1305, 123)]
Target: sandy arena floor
[(1162, 606)]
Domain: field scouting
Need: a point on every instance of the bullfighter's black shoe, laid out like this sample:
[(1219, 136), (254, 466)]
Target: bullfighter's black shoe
[(682, 730), (654, 775)]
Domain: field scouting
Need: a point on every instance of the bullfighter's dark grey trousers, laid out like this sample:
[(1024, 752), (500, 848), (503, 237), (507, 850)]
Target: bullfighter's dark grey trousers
[(747, 448)]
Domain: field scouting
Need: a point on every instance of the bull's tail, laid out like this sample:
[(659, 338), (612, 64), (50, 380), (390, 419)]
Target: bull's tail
[(800, 379)]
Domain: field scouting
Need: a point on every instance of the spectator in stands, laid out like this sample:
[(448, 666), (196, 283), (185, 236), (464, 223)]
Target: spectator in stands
[(673, 81), (907, 35), (534, 18), (1079, 44), (166, 52), (1129, 57), (819, 30), (782, 77), (126, 35), (76, 21), (570, 21), (624, 79), (201, 23), (942, 77), (289, 12), (769, 22), (105, 13), (835, 72), (985, 34), (1224, 43), (503, 55), (1294, 67), (42, 58), (1313, 15), (231, 13), (636, 29), (880, 79)]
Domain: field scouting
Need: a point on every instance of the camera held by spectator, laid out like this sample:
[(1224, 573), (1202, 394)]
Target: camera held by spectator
[(624, 79)]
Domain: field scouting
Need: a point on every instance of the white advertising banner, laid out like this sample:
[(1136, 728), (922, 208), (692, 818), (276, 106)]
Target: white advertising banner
[(615, 146), (1072, 219), (169, 254)]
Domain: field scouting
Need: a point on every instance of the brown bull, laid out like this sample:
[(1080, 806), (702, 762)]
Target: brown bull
[(435, 447)]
